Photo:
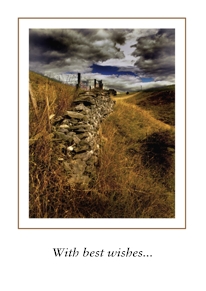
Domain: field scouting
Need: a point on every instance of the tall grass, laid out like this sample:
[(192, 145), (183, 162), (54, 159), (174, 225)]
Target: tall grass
[(47, 92), (135, 188)]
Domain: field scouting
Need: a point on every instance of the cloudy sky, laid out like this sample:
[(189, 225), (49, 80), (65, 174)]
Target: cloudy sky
[(124, 59)]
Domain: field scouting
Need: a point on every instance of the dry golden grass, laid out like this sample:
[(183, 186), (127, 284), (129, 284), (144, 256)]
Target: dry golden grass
[(131, 178), (52, 97), (134, 189)]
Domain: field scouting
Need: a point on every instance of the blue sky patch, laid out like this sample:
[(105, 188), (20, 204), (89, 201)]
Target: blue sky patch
[(109, 70), (146, 80)]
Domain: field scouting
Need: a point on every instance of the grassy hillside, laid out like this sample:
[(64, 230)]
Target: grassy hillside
[(138, 160), (135, 175), (160, 102)]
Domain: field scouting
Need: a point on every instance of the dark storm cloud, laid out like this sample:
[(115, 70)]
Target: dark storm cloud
[(115, 35), (156, 54), (118, 36), (63, 47)]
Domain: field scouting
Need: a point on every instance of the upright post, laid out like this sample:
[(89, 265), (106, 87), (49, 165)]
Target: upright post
[(79, 79)]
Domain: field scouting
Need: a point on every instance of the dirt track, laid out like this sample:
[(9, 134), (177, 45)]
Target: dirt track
[(125, 96)]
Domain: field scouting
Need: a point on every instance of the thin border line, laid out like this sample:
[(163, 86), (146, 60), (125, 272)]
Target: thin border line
[(18, 172), (185, 125), (18, 147), (102, 18), (104, 228)]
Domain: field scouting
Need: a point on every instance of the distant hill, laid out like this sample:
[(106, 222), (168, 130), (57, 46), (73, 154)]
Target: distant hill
[(159, 101)]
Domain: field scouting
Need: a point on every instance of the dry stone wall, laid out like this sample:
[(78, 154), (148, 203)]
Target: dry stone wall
[(77, 134)]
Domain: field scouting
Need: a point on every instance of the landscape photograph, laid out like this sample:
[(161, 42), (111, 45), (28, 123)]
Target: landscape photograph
[(101, 123)]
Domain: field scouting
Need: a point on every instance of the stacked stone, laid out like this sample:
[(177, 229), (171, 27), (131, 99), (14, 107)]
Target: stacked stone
[(77, 133)]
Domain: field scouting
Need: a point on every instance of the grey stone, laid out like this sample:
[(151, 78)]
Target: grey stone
[(56, 120), (60, 135), (82, 108), (76, 115), (84, 156), (71, 134), (79, 179), (76, 140), (80, 126), (67, 166), (88, 93), (70, 149), (83, 135), (73, 121), (78, 166), (93, 160), (81, 130), (83, 142), (88, 139), (82, 148), (66, 121), (86, 100), (64, 126), (64, 130)]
